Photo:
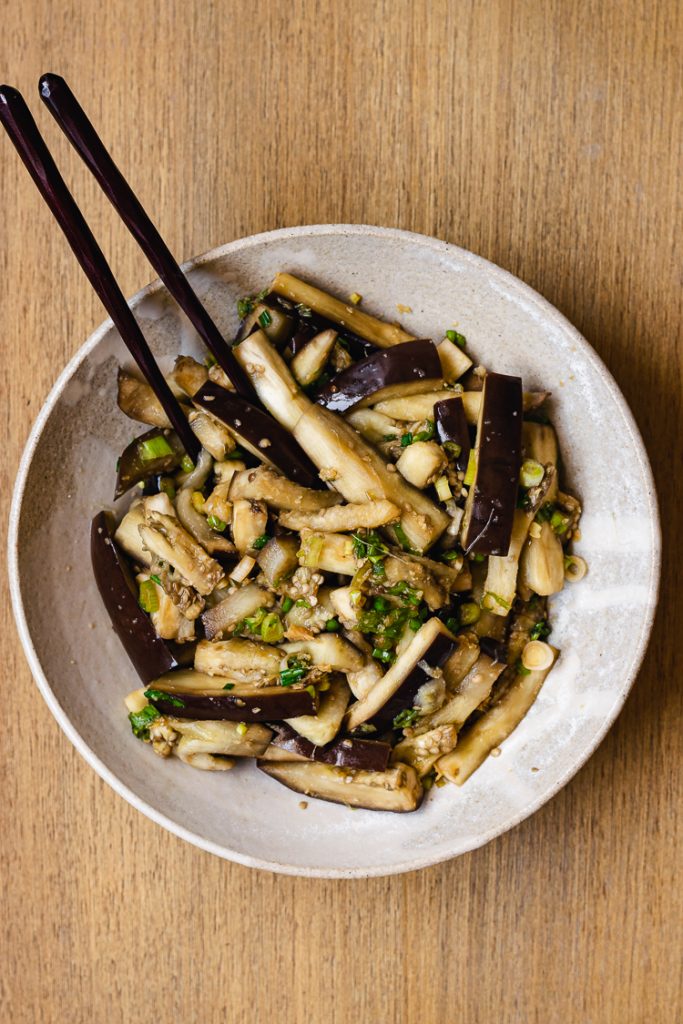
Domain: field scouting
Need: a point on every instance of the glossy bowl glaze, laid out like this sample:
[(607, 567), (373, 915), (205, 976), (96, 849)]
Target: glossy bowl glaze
[(601, 625)]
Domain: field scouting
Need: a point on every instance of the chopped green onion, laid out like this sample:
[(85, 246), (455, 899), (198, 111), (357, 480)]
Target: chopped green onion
[(216, 524), (175, 702), (450, 556), (260, 542), (452, 624), (304, 311), (457, 338), (380, 604), (154, 448), (541, 630), (427, 434), (324, 685), (401, 537), (244, 308), (558, 522), (140, 721), (404, 719), (301, 602), (531, 473), (471, 470), (235, 454), (229, 686), (443, 489), (311, 550), (287, 603), (198, 501), (453, 449), (295, 671), (148, 599), (414, 624), (355, 298), (166, 485), (521, 669), (312, 691), (477, 557), (187, 465), (382, 655), (545, 513), (332, 625), (265, 319), (389, 437), (272, 630), (406, 439), (469, 613), (210, 361), (241, 728), (156, 579)]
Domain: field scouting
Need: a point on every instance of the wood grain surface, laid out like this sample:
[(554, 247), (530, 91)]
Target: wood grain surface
[(545, 136)]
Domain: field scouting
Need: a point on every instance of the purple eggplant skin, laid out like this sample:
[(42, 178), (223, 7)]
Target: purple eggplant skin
[(499, 439), (131, 469), (401, 364), (497, 650), (451, 425), (369, 755), (272, 703), (255, 426), (150, 655), (439, 652)]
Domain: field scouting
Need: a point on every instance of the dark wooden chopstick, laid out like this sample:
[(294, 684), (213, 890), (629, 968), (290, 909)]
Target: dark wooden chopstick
[(75, 124), (19, 124)]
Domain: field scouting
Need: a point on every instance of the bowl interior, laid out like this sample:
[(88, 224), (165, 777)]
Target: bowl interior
[(600, 625)]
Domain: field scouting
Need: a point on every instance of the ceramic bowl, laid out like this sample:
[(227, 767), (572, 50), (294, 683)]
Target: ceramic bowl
[(601, 625)]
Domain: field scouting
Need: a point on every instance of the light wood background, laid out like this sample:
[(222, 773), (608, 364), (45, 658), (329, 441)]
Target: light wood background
[(544, 135)]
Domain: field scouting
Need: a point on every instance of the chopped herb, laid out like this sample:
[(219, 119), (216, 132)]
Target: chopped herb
[(140, 721), (401, 537), (187, 465), (471, 471), (301, 602), (452, 624), (558, 522), (156, 579), (265, 319), (332, 625), (236, 453), (229, 686), (370, 547), (210, 361), (243, 308), (414, 624), (241, 728), (469, 613), (355, 298), (450, 556), (166, 485), (272, 630), (147, 598), (404, 719), (427, 434), (545, 513), (389, 437), (457, 338), (382, 655), (380, 604), (531, 473), (154, 448), (406, 439), (304, 311), (541, 630), (260, 542), (197, 501), (477, 557), (296, 670), (216, 523), (521, 669), (175, 702), (312, 690), (287, 603), (452, 449)]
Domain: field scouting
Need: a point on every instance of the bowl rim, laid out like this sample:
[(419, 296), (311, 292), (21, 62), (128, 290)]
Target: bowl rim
[(551, 314)]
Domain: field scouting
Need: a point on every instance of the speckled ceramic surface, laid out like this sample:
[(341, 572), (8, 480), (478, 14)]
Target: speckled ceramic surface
[(68, 467)]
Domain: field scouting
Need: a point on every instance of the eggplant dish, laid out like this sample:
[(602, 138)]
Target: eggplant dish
[(350, 583)]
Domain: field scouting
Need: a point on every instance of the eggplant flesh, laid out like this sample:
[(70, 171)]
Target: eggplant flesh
[(413, 363), (430, 648), (259, 433), (451, 427), (270, 703), (492, 499), (397, 789), (348, 752), (150, 655)]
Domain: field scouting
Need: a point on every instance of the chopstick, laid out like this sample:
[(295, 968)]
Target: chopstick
[(72, 119), (19, 124)]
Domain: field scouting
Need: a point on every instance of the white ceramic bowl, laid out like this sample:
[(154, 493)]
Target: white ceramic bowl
[(601, 625)]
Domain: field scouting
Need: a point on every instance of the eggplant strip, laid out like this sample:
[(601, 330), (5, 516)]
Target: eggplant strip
[(397, 789), (322, 727), (264, 484), (247, 660), (390, 373), (421, 407), (368, 755), (343, 517), (380, 333), (165, 537), (489, 731)]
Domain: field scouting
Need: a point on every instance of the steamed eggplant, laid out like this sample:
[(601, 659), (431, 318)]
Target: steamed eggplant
[(491, 502), (349, 583), (397, 789), (151, 656), (404, 370)]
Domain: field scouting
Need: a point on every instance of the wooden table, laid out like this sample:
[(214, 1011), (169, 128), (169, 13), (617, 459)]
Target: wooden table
[(545, 136)]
